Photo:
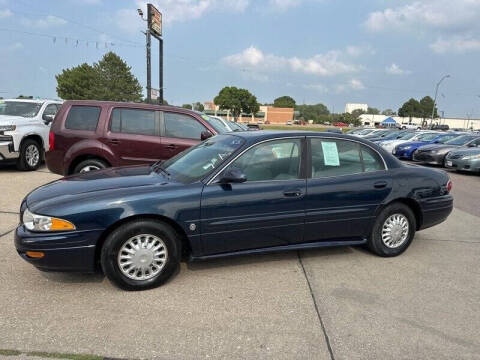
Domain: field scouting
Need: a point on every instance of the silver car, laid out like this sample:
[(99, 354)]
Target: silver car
[(464, 160)]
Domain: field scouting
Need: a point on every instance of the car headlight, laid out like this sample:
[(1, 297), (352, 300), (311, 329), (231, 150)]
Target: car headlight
[(8, 127), (36, 222), (407, 148), (471, 157)]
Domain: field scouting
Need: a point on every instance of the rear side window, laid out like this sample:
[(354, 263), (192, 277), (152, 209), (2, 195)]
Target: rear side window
[(82, 118), (182, 126), (133, 121), (332, 157)]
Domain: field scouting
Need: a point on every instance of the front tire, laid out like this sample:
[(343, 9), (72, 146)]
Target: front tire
[(90, 165), (393, 231), (31, 155), (141, 255)]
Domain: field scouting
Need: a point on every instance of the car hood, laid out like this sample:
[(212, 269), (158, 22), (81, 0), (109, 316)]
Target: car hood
[(11, 120), (96, 184), (438, 147)]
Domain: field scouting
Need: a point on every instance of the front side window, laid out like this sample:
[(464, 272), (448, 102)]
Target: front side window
[(332, 157), (50, 110), (272, 160), (182, 126), (133, 121), (82, 118)]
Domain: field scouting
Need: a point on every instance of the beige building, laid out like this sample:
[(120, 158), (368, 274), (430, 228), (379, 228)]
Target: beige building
[(267, 114), (453, 123)]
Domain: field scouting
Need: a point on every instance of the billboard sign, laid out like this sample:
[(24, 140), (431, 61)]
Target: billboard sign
[(154, 20)]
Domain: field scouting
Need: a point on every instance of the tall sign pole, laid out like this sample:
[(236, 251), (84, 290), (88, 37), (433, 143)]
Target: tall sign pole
[(149, 67), (155, 29)]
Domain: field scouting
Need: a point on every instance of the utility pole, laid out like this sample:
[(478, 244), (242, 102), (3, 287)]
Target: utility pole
[(160, 73), (149, 66), (435, 99)]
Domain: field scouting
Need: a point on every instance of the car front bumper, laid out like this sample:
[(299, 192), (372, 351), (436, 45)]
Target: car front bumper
[(63, 251), (403, 154), (428, 157), (7, 151), (463, 165)]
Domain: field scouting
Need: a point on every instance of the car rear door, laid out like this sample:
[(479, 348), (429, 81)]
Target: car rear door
[(133, 135), (265, 211), (348, 181), (178, 132)]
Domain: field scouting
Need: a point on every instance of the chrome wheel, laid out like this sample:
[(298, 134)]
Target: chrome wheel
[(32, 155), (89, 168), (395, 230), (142, 257)]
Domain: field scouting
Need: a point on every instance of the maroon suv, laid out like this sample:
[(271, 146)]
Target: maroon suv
[(90, 135)]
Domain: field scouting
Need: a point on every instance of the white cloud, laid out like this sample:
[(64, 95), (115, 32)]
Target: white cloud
[(355, 51), (43, 22), (394, 69), (440, 14), (458, 44), (352, 84), (316, 87), (327, 64), (5, 13)]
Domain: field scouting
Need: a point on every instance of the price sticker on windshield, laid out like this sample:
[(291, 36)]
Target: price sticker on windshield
[(330, 154)]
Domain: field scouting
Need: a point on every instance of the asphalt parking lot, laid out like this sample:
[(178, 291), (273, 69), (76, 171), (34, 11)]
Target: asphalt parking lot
[(339, 303)]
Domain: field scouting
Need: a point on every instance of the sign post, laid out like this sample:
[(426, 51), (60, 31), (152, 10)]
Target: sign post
[(155, 27)]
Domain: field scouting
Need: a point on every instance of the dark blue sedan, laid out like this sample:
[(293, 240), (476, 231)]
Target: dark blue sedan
[(406, 150), (242, 193)]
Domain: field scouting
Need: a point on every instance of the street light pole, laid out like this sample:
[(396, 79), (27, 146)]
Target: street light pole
[(435, 99)]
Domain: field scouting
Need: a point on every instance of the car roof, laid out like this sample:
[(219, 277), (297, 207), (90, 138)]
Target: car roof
[(38, 101), (132, 104)]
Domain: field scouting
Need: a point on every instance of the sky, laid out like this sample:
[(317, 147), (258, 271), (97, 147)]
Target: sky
[(379, 52)]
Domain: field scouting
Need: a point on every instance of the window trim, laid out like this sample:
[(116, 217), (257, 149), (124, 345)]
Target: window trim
[(163, 125), (309, 169), (156, 119), (67, 113), (303, 160)]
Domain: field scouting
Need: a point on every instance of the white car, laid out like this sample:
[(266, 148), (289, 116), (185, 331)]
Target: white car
[(389, 145), (410, 127), (365, 132), (24, 130)]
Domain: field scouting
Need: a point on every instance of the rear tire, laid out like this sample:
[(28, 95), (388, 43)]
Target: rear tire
[(31, 154), (393, 230), (141, 255), (90, 165)]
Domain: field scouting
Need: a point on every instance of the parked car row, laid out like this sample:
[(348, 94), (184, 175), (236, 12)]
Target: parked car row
[(81, 136), (451, 149)]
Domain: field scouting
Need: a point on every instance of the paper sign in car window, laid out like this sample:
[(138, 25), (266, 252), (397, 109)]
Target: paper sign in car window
[(330, 154)]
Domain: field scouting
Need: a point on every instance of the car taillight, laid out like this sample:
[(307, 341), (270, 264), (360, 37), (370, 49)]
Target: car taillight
[(449, 185), (51, 141)]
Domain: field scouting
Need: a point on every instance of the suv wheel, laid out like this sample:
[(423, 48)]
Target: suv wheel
[(141, 255), (30, 155), (90, 165), (393, 230)]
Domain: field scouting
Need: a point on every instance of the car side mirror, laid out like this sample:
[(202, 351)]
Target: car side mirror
[(205, 135), (48, 118), (233, 175)]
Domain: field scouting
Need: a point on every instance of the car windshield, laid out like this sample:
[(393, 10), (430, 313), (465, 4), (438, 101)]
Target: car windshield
[(427, 137), (218, 125), (394, 135), (446, 138), (242, 126), (408, 136), (20, 108), (195, 163), (461, 140), (365, 131), (235, 126)]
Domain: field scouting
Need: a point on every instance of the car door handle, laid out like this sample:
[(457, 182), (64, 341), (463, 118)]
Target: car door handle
[(292, 193), (171, 146), (114, 141), (380, 184)]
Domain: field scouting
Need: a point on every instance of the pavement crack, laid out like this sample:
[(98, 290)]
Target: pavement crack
[(459, 241), (6, 233), (9, 212), (327, 340)]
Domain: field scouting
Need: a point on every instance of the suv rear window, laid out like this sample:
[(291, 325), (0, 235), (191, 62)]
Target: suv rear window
[(82, 118)]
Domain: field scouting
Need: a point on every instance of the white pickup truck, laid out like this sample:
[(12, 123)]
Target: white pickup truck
[(24, 130)]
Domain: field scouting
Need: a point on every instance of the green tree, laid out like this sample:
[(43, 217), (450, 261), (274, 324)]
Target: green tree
[(373, 111), (109, 79), (198, 106), (312, 112), (426, 105), (236, 100), (410, 109), (284, 102), (187, 106)]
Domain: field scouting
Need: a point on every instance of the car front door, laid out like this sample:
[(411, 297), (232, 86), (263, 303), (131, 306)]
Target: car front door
[(348, 182), (133, 136), (264, 211), (179, 132)]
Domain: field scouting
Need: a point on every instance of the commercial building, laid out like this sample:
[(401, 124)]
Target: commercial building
[(267, 114), (453, 123), (350, 107)]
